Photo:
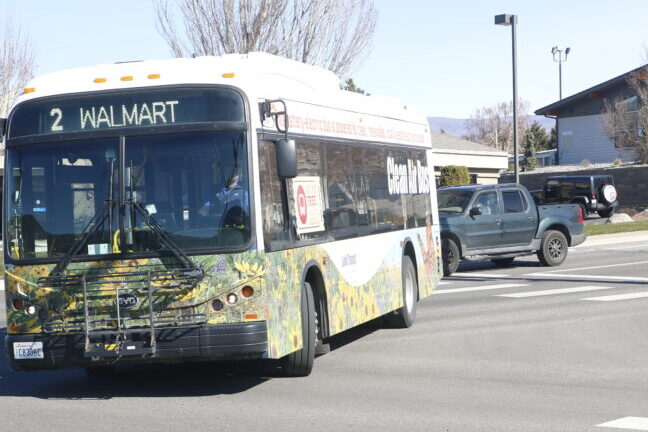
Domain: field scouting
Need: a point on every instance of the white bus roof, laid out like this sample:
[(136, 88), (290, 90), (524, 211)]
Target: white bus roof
[(258, 75)]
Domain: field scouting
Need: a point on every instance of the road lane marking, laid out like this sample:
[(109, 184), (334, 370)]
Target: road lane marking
[(554, 291), (595, 267), (478, 288), (1, 284), (480, 275), (630, 423), (616, 297), (619, 278), (444, 283)]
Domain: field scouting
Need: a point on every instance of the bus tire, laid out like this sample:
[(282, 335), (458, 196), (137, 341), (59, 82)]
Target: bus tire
[(406, 315), (300, 362), (451, 256), (553, 248)]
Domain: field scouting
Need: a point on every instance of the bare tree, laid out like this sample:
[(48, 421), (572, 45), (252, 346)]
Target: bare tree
[(625, 120), (493, 125), (16, 62), (334, 34)]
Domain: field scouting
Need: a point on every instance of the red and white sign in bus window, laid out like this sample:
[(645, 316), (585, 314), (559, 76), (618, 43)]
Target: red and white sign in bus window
[(309, 210)]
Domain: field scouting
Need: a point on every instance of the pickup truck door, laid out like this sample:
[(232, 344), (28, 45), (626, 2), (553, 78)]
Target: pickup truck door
[(519, 218), (484, 231)]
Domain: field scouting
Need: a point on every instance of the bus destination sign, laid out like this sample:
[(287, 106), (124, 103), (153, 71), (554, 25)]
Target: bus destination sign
[(89, 112)]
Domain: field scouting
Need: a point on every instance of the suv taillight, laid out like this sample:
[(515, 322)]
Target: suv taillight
[(581, 216)]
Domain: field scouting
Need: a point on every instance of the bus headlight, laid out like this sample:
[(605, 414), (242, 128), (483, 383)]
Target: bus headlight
[(232, 298)]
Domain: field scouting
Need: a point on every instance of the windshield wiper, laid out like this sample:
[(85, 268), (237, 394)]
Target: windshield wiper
[(164, 238), (94, 224)]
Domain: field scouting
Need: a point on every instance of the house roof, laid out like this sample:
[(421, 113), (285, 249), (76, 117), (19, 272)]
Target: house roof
[(556, 106), (443, 141)]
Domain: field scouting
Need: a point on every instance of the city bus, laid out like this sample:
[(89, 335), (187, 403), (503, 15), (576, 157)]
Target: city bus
[(234, 207)]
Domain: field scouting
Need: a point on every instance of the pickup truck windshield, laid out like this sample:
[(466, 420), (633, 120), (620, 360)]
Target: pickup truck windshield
[(194, 187), (453, 200)]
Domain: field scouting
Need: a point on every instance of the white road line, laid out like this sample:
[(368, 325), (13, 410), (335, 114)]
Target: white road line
[(630, 423), (619, 278), (1, 284), (478, 288), (595, 267), (444, 283), (616, 297), (554, 291), (480, 275)]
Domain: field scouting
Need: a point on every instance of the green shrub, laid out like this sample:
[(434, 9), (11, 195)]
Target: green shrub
[(454, 175)]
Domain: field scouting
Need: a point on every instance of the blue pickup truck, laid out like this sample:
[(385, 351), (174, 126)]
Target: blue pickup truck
[(501, 222)]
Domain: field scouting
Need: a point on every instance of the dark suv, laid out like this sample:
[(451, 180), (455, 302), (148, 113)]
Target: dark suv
[(595, 193)]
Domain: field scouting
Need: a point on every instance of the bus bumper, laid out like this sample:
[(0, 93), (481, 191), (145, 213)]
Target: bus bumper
[(207, 342)]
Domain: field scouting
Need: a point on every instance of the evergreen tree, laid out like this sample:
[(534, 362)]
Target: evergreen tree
[(539, 136), (349, 85), (553, 139), (535, 136)]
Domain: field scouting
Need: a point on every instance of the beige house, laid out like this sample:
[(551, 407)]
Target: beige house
[(484, 163)]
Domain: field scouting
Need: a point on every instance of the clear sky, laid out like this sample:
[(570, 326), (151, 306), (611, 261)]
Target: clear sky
[(445, 56)]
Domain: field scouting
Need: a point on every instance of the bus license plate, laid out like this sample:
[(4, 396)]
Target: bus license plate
[(28, 350)]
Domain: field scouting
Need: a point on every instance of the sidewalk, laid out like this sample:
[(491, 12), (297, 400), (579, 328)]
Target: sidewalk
[(627, 237)]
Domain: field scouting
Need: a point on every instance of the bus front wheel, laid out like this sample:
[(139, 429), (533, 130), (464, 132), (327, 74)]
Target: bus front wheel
[(405, 316), (300, 362)]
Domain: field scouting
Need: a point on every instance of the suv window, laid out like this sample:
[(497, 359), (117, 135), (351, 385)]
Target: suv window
[(488, 203), (581, 187), (552, 189), (599, 181), (566, 189), (514, 202)]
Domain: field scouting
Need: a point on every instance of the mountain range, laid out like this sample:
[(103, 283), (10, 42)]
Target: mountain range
[(457, 127)]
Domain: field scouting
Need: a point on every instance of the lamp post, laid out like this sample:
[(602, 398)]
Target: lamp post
[(512, 20), (558, 57)]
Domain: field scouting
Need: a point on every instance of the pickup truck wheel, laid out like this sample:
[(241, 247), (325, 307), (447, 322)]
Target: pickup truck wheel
[(553, 248), (503, 262), (451, 256), (606, 213)]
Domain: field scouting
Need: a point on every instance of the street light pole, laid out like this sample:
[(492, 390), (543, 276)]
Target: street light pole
[(558, 57), (511, 20)]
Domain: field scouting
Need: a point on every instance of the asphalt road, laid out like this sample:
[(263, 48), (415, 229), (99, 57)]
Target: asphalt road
[(492, 350)]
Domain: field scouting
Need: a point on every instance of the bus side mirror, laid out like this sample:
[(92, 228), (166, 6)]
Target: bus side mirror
[(286, 158), (3, 125)]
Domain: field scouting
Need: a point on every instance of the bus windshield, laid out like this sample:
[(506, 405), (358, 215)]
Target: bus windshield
[(193, 185)]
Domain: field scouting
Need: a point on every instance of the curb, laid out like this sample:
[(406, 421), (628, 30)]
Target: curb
[(627, 237)]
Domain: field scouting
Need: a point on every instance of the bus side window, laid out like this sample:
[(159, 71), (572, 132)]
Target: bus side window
[(340, 215), (275, 231), (379, 206), (421, 200)]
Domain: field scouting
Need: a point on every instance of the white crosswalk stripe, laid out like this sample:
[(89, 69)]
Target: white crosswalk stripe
[(628, 423), (478, 288), (554, 291), (617, 297), (480, 275)]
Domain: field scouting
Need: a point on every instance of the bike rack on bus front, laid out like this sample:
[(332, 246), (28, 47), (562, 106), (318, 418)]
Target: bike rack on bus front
[(109, 337)]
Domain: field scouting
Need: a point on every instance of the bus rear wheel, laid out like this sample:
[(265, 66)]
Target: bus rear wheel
[(406, 315), (300, 362)]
